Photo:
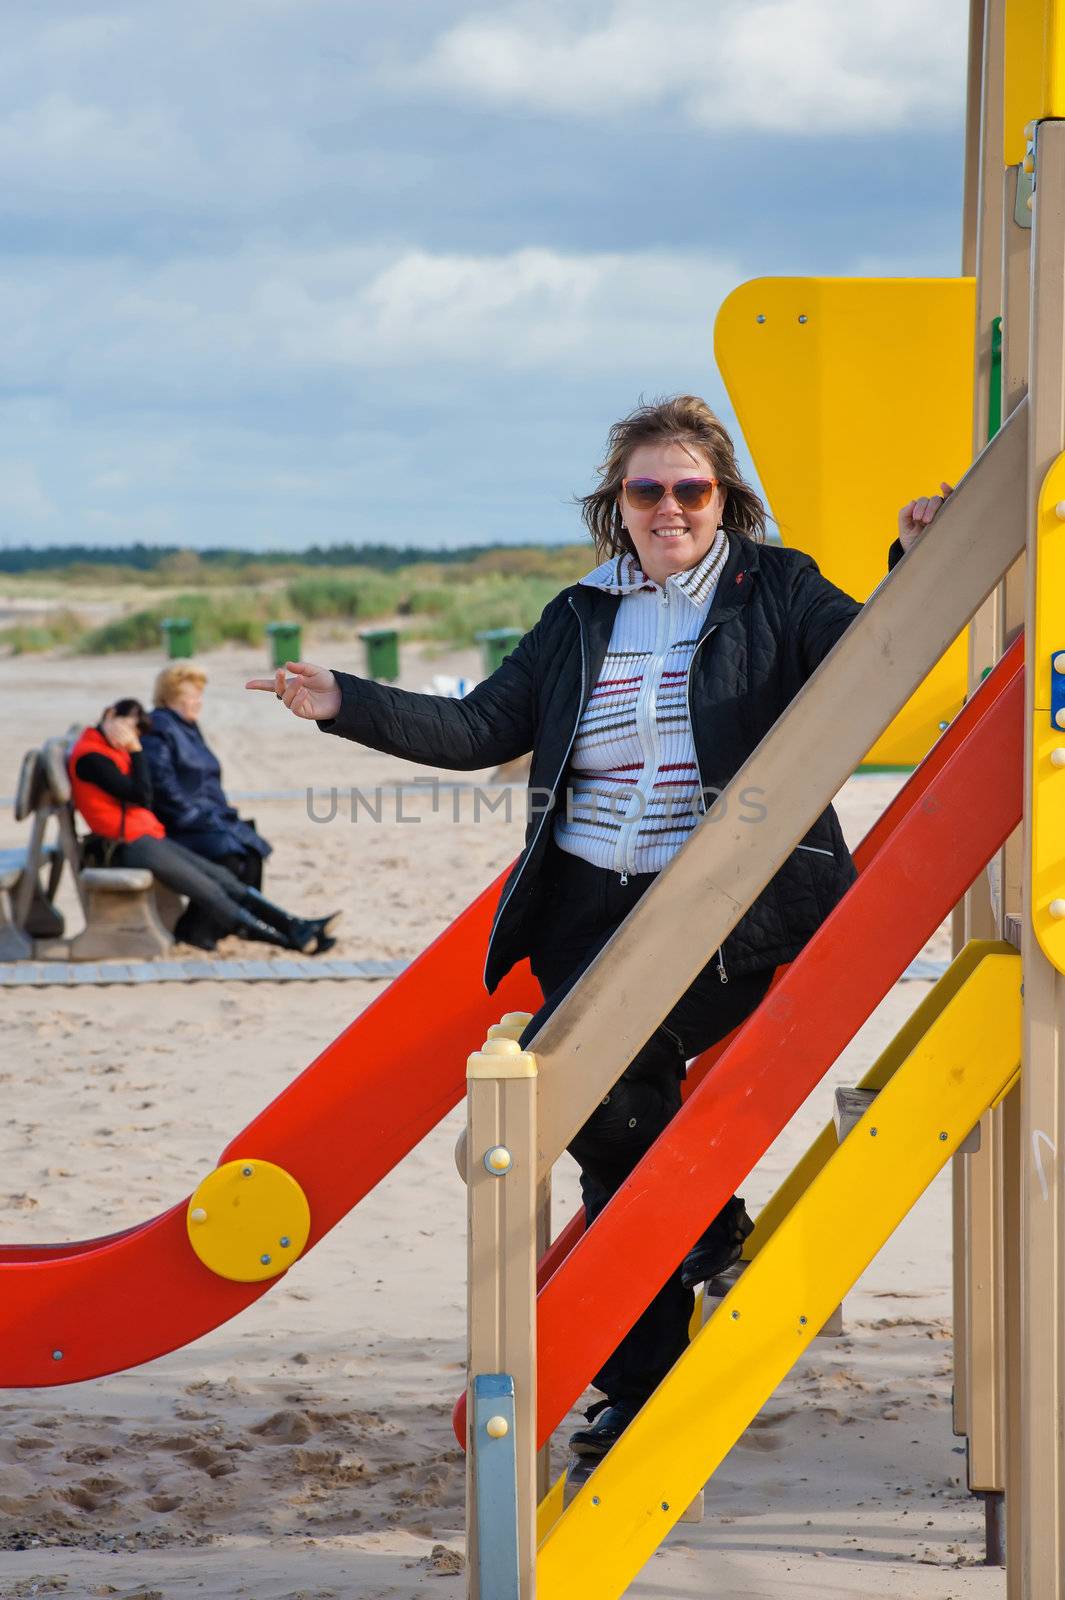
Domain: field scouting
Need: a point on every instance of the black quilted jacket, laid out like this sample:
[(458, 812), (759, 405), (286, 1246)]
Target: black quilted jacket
[(772, 621)]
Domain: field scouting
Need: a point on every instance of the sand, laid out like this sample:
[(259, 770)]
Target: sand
[(305, 1448)]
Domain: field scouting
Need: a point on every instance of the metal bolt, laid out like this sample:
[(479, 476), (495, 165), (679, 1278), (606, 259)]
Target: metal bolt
[(943, 726), (735, 1316), (57, 1355), (284, 1241), (1059, 510), (802, 1322), (1057, 757), (1059, 718), (595, 1499), (497, 1427), (943, 1138), (665, 1505), (804, 318), (498, 1160), (873, 1133), (265, 1260), (246, 1172), (198, 1214), (1057, 909), (759, 318), (1059, 661)]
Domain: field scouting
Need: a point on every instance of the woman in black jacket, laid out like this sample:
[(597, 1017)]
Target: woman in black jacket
[(640, 692)]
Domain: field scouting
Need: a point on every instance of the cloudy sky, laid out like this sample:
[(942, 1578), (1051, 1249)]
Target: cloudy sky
[(282, 272)]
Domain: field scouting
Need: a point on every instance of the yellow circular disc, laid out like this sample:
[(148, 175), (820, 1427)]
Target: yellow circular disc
[(248, 1220)]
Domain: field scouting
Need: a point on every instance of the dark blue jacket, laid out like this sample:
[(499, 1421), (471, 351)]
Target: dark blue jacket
[(188, 797)]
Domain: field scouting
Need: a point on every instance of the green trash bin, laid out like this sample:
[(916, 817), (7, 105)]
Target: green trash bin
[(496, 644), (284, 640), (382, 653), (177, 632)]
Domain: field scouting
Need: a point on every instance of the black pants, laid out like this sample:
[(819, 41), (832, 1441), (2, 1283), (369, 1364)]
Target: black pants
[(583, 907), (212, 890)]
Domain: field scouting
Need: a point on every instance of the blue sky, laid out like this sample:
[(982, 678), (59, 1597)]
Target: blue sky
[(282, 272)]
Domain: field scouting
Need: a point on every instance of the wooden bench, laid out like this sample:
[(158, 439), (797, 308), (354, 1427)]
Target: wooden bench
[(124, 919)]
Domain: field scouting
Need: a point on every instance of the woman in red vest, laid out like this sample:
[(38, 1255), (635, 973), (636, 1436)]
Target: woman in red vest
[(112, 788)]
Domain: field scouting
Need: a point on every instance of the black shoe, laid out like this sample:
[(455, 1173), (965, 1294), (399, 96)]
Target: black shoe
[(608, 1422), (720, 1247)]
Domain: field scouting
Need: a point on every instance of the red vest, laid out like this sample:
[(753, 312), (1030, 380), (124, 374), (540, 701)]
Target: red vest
[(105, 815)]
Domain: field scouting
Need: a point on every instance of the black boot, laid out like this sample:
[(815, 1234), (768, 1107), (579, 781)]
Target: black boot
[(297, 933), (249, 927), (608, 1419), (720, 1246)]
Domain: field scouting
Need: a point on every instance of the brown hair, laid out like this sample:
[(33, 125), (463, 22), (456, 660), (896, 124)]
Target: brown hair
[(681, 419)]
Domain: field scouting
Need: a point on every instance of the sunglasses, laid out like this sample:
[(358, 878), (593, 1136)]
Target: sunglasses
[(692, 494)]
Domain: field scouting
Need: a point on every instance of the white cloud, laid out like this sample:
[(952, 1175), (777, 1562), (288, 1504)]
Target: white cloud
[(205, 326), (798, 66)]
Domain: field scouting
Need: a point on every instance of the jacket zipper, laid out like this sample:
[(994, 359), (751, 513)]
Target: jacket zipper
[(722, 970), (550, 810), (647, 732)]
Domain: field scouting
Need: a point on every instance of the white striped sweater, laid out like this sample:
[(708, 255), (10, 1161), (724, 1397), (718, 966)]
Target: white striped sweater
[(633, 793)]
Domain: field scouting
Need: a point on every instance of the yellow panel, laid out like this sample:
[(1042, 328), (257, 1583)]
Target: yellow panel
[(854, 396), (1048, 742), (248, 1220), (1054, 60), (967, 1057), (1024, 74)]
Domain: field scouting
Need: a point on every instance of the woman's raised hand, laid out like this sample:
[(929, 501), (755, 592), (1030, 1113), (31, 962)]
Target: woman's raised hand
[(917, 514), (311, 692)]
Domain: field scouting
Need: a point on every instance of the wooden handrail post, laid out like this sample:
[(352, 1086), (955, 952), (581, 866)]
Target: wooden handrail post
[(502, 1196)]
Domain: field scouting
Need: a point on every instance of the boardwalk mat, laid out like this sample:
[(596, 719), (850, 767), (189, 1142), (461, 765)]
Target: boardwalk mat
[(46, 974)]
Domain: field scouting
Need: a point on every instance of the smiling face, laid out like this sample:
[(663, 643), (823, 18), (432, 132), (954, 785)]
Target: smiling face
[(667, 538)]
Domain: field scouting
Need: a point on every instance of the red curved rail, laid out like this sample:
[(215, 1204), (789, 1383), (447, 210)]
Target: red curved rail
[(79, 1310), (958, 808)]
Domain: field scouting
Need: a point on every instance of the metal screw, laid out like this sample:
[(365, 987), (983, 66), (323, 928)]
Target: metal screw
[(804, 318), (802, 1322), (943, 1137), (735, 1316), (284, 1241), (943, 726), (246, 1172), (57, 1355), (498, 1160), (595, 1499), (265, 1260), (665, 1505), (759, 318), (872, 1133)]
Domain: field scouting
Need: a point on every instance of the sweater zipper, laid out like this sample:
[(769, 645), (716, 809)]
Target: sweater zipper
[(647, 733), (722, 970), (549, 811)]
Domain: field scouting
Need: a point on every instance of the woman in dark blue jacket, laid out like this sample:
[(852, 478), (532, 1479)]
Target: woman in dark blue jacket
[(187, 779)]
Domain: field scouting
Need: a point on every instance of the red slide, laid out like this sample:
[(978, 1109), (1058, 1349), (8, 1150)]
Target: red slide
[(75, 1311), (958, 808)]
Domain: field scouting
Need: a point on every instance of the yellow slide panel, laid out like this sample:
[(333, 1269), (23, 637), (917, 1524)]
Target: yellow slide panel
[(965, 1061), (855, 396)]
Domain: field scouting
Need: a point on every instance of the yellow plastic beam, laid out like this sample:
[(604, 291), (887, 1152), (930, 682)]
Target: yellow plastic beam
[(1034, 70), (966, 1060), (1046, 656), (854, 396)]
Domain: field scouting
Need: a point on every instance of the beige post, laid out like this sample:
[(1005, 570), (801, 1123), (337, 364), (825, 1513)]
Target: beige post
[(1037, 1563), (977, 1177), (501, 1194)]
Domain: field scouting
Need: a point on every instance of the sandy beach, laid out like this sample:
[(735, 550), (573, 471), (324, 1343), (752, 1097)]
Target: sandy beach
[(304, 1450)]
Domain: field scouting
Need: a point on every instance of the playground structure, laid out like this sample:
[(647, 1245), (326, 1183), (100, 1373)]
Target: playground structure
[(989, 793)]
